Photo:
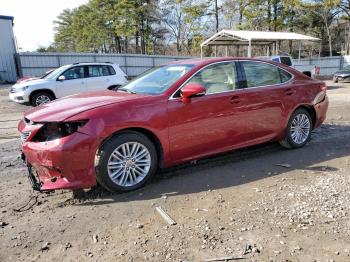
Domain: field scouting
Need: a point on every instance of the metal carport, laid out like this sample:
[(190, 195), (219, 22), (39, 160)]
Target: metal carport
[(249, 38)]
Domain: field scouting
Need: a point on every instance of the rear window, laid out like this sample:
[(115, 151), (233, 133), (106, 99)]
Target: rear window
[(263, 74), (100, 70), (111, 70)]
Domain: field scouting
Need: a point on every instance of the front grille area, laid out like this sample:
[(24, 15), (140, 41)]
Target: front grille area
[(24, 136)]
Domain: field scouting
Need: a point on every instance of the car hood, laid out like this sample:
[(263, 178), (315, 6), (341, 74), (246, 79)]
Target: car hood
[(66, 107), (343, 72), (31, 82)]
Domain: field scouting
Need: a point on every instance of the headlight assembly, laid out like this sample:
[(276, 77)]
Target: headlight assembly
[(23, 88), (55, 130)]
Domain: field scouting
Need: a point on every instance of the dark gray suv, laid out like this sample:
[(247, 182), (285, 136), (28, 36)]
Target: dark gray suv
[(342, 75)]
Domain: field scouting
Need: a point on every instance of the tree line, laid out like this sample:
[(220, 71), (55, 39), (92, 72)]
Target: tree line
[(177, 27)]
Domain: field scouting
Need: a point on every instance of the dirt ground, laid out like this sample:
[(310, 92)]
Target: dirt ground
[(237, 205)]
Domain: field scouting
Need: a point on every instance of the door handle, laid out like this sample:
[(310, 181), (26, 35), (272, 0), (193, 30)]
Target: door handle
[(235, 100), (289, 92)]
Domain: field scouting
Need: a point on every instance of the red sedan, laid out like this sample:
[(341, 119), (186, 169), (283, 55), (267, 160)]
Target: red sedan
[(172, 114)]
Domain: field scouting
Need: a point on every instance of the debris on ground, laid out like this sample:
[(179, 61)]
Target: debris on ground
[(165, 216)]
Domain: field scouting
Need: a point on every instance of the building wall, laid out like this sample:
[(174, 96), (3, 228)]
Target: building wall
[(7, 50)]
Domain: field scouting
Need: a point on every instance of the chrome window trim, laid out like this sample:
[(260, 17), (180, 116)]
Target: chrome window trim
[(235, 90), (199, 70)]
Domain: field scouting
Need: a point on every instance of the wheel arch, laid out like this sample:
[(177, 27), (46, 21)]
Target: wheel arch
[(311, 110), (148, 133), (111, 87), (41, 90)]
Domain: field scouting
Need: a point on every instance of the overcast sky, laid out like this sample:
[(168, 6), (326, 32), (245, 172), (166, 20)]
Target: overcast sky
[(34, 19)]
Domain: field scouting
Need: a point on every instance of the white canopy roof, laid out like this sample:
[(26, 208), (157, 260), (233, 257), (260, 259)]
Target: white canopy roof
[(232, 37)]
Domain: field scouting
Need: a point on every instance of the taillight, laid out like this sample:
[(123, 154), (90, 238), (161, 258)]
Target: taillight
[(323, 87)]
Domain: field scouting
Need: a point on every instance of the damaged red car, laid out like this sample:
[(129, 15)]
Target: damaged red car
[(178, 112)]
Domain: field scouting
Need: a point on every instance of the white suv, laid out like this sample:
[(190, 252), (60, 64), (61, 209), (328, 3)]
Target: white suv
[(68, 80)]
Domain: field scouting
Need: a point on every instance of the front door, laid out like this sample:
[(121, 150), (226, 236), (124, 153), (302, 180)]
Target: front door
[(74, 82), (209, 123)]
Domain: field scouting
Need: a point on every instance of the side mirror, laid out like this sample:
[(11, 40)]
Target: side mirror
[(61, 78), (191, 90)]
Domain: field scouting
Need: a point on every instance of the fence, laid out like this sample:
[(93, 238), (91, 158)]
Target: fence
[(35, 64), (328, 65)]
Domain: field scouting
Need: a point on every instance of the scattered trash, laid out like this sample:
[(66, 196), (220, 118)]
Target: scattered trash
[(165, 216), (201, 209), (3, 224), (46, 246), (223, 259), (95, 238), (283, 165), (68, 245), (250, 249)]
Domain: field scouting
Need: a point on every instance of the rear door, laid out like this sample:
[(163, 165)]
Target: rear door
[(99, 77), (74, 82), (268, 90)]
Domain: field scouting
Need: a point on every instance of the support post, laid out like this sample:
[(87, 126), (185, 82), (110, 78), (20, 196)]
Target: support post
[(276, 44), (250, 49), (226, 51), (215, 51), (201, 51), (299, 50)]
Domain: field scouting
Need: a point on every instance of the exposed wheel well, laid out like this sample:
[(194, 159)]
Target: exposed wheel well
[(113, 86), (41, 90), (311, 111), (149, 135)]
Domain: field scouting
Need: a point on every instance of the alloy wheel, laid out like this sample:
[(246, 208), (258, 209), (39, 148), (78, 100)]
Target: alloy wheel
[(129, 164), (42, 99), (300, 128)]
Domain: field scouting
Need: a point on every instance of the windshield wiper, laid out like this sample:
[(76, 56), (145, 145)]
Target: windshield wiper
[(126, 90)]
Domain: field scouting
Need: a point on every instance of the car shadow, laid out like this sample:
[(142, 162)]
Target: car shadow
[(237, 168)]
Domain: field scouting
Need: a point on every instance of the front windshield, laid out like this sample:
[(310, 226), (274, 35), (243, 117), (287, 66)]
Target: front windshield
[(347, 68), (157, 80), (55, 73)]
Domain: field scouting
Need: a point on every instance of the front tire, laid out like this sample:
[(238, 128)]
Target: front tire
[(41, 98), (298, 130), (126, 162)]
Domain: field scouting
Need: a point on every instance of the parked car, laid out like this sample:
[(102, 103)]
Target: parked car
[(283, 59), (178, 112), (342, 75), (68, 80)]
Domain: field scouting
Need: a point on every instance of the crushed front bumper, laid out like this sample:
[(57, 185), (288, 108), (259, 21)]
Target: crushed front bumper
[(64, 163)]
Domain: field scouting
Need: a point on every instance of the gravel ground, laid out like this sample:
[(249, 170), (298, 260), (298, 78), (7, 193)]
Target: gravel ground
[(237, 205)]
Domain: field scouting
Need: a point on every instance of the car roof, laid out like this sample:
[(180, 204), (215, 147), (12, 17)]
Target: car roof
[(206, 61), (92, 63)]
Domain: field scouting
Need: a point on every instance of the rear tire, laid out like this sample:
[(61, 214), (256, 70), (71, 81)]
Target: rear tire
[(335, 80), (126, 162), (41, 98), (298, 131)]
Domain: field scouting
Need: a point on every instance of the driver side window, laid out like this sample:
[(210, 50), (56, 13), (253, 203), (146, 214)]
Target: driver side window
[(217, 78), (74, 73)]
